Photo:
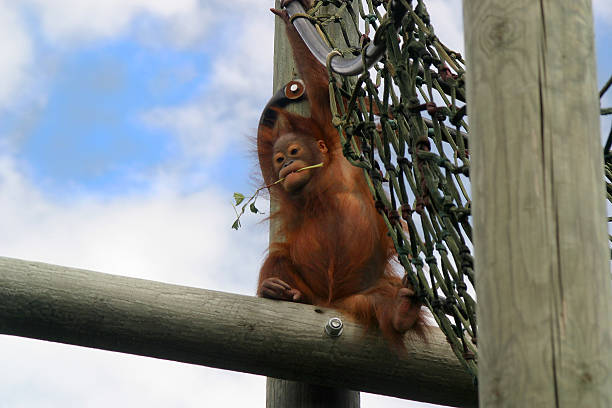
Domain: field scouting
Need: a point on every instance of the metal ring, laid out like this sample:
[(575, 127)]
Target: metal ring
[(341, 65)]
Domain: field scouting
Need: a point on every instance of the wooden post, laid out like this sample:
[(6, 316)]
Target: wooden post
[(222, 330), (541, 258), (282, 393)]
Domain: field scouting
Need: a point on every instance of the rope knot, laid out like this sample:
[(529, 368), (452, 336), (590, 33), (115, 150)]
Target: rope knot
[(406, 211), (394, 217)]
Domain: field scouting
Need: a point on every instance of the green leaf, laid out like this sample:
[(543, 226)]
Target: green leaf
[(236, 224), (238, 197), (253, 209)]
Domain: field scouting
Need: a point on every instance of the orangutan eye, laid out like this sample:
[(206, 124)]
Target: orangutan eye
[(294, 151), (279, 159)]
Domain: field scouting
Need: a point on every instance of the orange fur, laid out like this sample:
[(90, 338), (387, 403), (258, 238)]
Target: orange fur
[(335, 248)]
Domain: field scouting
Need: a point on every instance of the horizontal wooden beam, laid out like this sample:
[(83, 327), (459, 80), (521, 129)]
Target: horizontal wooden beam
[(234, 332)]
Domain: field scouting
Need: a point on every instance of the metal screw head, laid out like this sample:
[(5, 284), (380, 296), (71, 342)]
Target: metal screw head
[(334, 327), (295, 89)]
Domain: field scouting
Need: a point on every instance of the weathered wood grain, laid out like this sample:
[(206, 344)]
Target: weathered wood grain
[(541, 257), (215, 329)]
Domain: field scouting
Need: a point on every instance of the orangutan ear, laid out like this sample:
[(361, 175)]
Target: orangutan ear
[(322, 146)]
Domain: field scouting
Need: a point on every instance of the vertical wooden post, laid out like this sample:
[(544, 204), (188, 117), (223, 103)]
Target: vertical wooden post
[(542, 262), (283, 393)]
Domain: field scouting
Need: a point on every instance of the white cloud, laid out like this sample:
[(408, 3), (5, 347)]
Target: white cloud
[(239, 85), (66, 24), (41, 374), (15, 53), (205, 128), (602, 9), (163, 235), (182, 22), (447, 19)]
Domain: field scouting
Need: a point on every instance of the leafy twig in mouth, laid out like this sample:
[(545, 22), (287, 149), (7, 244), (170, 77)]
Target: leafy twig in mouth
[(239, 198)]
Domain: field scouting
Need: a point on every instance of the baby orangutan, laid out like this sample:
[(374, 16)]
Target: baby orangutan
[(335, 250)]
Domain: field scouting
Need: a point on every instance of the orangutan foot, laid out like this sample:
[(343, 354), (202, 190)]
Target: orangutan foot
[(407, 310)]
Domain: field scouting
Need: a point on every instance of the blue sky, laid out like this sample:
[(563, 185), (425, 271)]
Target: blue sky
[(89, 133), (124, 129)]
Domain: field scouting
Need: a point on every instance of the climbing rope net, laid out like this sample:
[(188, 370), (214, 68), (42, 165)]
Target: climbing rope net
[(403, 121)]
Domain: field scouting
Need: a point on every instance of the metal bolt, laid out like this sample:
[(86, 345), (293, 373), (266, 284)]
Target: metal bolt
[(294, 89), (334, 327)]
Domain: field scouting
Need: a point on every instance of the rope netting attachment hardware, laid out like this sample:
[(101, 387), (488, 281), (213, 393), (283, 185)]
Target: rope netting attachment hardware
[(354, 65)]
